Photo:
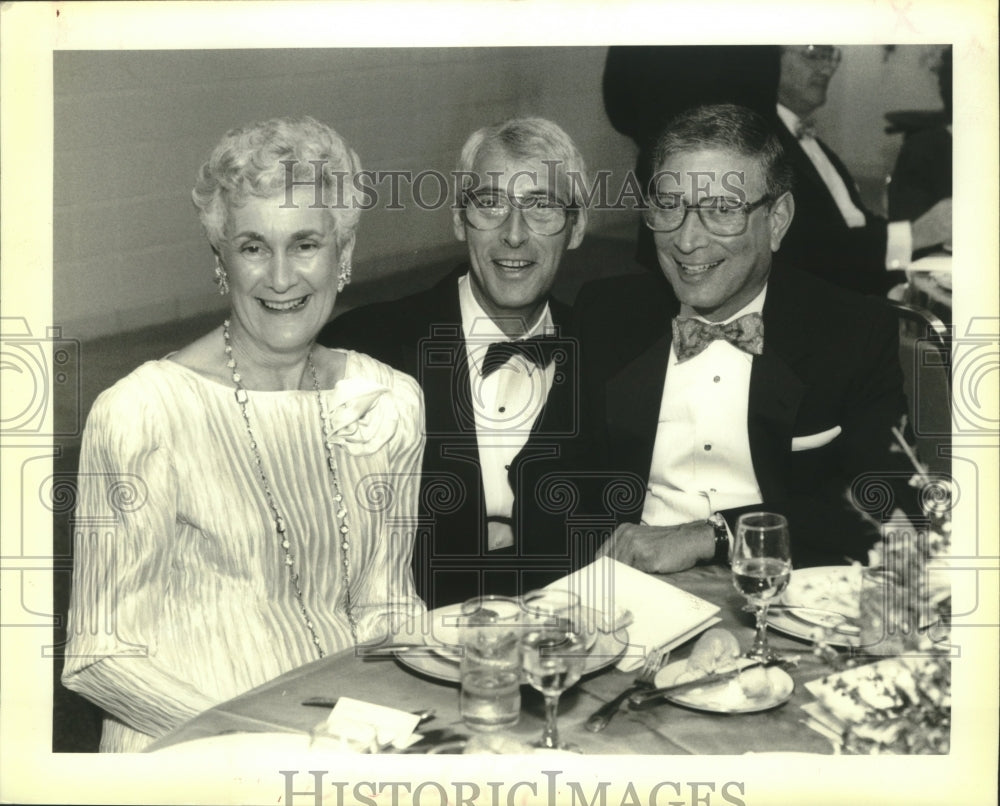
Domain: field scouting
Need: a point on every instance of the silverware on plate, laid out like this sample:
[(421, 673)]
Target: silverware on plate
[(641, 699), (818, 615), (599, 720)]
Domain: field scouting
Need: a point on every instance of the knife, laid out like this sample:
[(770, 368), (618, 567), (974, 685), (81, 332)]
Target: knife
[(644, 698), (385, 650), (844, 625)]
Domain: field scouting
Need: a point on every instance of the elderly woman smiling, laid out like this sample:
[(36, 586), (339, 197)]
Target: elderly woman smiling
[(246, 503)]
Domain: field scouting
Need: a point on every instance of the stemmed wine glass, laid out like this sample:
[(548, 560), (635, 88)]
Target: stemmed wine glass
[(554, 645), (762, 566)]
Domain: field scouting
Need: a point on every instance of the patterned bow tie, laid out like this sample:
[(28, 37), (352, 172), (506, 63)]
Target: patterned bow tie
[(805, 128), (692, 336), (537, 349)]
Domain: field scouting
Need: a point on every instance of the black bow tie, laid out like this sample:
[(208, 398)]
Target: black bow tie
[(537, 349)]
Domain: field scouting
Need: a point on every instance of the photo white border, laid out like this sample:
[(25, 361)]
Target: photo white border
[(32, 31)]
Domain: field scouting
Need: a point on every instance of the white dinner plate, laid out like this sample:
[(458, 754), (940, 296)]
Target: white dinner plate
[(445, 624), (833, 588), (443, 636), (789, 624), (607, 649), (727, 697)]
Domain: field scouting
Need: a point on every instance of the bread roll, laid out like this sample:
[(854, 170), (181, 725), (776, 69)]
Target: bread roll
[(714, 651), (755, 683)]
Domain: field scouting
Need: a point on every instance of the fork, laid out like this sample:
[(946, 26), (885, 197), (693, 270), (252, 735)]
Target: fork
[(599, 720)]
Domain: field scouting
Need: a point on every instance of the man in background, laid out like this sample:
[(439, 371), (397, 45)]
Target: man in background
[(833, 234)]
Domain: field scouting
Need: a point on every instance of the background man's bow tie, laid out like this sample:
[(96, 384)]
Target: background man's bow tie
[(692, 336), (537, 349), (805, 128)]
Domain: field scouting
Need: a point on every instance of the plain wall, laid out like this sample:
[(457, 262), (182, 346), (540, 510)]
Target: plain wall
[(132, 128)]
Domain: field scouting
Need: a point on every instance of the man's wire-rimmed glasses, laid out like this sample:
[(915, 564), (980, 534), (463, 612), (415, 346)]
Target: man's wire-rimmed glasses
[(719, 215), (819, 55), (488, 210)]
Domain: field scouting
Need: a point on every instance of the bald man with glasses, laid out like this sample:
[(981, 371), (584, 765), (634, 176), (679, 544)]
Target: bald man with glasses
[(834, 235)]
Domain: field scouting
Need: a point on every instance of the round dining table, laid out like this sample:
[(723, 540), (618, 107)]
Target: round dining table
[(277, 706)]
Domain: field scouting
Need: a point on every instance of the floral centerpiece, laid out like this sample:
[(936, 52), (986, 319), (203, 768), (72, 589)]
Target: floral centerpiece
[(891, 691)]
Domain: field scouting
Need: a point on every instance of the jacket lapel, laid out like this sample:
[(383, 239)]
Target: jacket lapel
[(633, 406), (441, 363), (557, 422), (806, 173), (845, 176), (775, 390)]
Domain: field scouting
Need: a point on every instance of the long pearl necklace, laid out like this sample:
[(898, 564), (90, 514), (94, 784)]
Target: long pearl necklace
[(279, 522)]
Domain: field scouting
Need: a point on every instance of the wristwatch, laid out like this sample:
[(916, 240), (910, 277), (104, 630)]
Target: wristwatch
[(718, 523)]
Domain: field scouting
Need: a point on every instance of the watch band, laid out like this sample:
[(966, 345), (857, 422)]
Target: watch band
[(718, 523)]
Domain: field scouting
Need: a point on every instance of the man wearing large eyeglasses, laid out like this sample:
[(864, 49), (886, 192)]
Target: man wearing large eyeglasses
[(498, 376), (834, 235), (740, 383)]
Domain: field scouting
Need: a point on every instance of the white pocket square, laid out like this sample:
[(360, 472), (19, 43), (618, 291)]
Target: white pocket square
[(812, 441)]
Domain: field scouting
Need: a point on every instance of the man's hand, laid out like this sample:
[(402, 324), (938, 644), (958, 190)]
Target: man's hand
[(661, 549), (934, 226)]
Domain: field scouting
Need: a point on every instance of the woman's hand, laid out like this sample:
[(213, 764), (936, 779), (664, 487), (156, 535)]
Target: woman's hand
[(661, 549)]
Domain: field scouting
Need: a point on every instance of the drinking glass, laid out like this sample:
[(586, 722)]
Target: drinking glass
[(762, 566), (490, 697), (555, 643)]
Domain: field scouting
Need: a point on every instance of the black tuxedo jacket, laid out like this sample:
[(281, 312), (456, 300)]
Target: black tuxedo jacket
[(819, 241), (922, 175), (830, 359), (422, 336)]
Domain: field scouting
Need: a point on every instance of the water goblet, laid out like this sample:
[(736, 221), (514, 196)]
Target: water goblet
[(762, 566), (555, 643)]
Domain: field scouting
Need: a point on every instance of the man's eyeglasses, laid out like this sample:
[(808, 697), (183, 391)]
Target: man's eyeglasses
[(488, 210), (819, 55), (719, 215)]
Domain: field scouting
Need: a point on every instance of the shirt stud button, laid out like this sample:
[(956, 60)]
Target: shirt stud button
[(708, 446), (716, 379), (503, 409)]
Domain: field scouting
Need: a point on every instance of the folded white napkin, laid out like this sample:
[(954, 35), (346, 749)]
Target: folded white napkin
[(350, 716), (661, 613), (932, 263)]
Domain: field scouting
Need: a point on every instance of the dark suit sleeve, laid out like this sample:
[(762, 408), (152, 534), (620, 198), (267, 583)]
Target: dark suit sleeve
[(368, 329), (835, 516), (850, 257), (922, 175), (819, 240)]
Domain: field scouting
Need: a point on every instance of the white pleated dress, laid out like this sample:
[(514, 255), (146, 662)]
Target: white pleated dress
[(181, 595)]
